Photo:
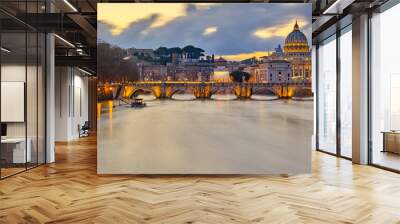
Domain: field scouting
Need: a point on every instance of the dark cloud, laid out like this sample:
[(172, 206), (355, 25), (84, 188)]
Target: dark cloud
[(236, 24)]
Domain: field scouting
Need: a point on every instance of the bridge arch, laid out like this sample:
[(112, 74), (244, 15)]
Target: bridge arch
[(302, 92), (179, 90), (197, 91), (265, 91), (137, 91), (223, 91)]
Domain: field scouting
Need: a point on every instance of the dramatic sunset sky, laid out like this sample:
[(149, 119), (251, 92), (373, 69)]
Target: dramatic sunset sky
[(235, 31)]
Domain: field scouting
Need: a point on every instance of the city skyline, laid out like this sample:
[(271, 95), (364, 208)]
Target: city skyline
[(204, 25)]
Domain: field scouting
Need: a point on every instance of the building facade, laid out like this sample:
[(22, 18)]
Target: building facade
[(290, 64), (279, 71)]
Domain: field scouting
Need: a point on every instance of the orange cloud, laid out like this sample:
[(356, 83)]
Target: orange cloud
[(120, 16), (281, 30)]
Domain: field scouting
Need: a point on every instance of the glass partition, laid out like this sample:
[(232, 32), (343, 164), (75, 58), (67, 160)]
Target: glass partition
[(385, 90), (346, 92), (22, 88), (13, 94), (31, 98), (327, 96)]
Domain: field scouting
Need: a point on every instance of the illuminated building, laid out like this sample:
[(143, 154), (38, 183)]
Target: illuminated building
[(258, 73), (221, 74), (297, 51), (296, 44), (278, 71)]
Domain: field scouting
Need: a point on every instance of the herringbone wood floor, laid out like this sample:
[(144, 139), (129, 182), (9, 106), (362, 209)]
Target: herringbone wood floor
[(69, 191)]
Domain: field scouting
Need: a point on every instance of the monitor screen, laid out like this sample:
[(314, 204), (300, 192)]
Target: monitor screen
[(3, 129)]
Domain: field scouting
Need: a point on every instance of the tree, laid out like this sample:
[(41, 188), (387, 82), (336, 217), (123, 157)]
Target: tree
[(161, 52), (197, 53), (188, 51), (113, 65), (174, 50), (163, 55), (192, 52), (239, 76)]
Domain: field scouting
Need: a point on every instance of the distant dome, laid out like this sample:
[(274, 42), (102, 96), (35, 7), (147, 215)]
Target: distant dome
[(296, 43), (296, 36)]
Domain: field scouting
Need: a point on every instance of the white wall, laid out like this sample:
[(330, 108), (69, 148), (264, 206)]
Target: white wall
[(71, 102), (10, 73), (17, 73), (80, 104), (33, 126), (13, 72), (61, 103)]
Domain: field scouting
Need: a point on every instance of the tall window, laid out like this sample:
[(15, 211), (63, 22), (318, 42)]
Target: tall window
[(385, 87), (346, 92), (327, 95)]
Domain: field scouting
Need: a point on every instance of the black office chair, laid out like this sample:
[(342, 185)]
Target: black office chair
[(84, 130)]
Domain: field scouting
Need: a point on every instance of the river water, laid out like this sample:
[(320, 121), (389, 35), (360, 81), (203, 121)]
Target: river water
[(220, 136)]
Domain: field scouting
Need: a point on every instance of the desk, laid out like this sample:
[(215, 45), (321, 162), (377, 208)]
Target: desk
[(18, 150), (391, 141)]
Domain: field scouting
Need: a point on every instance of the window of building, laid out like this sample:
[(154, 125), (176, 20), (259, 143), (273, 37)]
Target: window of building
[(326, 90), (334, 108), (385, 90), (346, 92)]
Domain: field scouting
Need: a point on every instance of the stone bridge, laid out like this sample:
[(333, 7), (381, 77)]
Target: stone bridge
[(203, 90)]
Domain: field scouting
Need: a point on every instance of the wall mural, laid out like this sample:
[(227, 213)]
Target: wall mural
[(204, 88)]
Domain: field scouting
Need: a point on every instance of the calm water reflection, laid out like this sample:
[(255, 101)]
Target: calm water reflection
[(205, 136)]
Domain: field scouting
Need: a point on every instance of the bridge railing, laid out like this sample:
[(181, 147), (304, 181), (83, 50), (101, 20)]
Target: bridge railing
[(189, 83)]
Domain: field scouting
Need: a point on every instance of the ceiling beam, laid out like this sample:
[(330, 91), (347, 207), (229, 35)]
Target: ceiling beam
[(85, 25), (80, 61)]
